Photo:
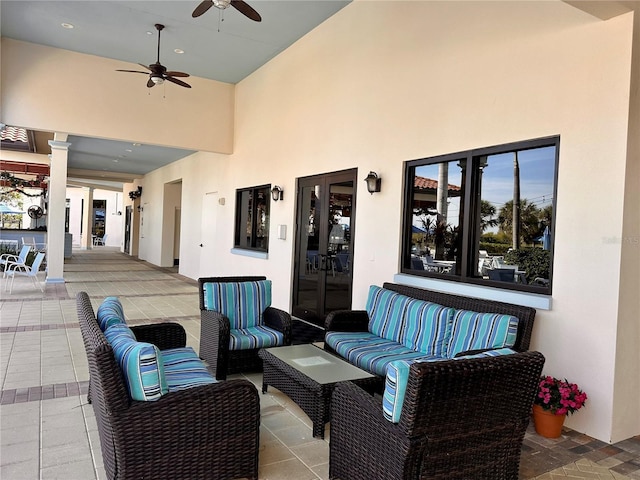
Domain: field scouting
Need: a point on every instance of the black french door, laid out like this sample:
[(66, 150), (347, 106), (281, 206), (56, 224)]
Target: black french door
[(325, 218)]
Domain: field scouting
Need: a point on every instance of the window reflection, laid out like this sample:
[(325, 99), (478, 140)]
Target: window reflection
[(505, 236)]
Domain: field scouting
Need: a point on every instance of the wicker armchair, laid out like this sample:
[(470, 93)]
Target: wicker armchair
[(204, 432), (215, 334), (461, 419)]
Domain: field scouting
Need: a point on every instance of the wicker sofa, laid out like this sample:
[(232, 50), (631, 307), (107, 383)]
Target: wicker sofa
[(373, 343), (458, 387), (209, 431), (217, 332)]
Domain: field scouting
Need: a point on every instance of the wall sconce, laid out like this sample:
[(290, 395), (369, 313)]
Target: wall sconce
[(276, 193), (373, 182)]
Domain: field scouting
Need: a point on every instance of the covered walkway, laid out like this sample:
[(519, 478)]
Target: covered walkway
[(48, 430)]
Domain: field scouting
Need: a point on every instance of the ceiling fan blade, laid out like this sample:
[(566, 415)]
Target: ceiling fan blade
[(144, 66), (246, 10), (150, 83), (177, 82), (202, 8), (133, 71), (176, 74)]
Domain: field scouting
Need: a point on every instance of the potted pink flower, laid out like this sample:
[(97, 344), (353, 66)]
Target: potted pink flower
[(555, 400)]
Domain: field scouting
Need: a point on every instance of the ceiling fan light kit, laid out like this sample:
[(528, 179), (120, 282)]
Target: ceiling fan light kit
[(157, 72)]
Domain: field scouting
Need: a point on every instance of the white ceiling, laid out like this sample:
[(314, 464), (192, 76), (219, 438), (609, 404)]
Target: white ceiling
[(221, 45)]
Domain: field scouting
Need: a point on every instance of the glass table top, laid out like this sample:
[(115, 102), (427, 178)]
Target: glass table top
[(320, 366)]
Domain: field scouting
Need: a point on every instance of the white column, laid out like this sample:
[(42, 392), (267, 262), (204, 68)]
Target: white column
[(56, 209), (86, 242)]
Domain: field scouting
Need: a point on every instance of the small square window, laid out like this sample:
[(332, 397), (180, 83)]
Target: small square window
[(252, 218)]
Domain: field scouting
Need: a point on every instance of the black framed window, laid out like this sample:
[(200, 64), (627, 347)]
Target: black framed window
[(483, 216), (252, 218)]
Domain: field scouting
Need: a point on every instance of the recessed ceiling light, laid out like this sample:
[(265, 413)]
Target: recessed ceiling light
[(128, 150), (67, 25), (137, 144), (115, 160), (178, 50), (149, 33)]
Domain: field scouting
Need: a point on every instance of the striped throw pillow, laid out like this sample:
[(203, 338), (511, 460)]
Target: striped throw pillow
[(138, 361), (427, 327), (110, 312), (386, 311), (243, 303), (477, 331)]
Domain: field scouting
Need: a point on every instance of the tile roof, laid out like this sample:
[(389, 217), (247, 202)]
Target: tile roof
[(424, 183)]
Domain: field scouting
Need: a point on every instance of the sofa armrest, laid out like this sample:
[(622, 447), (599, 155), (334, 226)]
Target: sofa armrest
[(472, 352), (163, 335), (279, 320), (214, 341), (347, 321)]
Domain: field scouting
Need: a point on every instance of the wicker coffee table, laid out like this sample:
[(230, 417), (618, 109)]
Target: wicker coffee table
[(307, 374)]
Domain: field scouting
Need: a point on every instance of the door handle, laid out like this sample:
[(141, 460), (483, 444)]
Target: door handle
[(201, 245)]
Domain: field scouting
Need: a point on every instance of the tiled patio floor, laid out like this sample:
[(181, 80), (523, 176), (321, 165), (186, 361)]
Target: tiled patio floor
[(47, 430)]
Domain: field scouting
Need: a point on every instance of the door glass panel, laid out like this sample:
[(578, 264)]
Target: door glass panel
[(309, 261), (337, 263)]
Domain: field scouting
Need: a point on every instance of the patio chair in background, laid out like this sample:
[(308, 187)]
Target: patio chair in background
[(31, 272), (230, 336), (100, 240), (36, 247), (502, 274), (8, 259)]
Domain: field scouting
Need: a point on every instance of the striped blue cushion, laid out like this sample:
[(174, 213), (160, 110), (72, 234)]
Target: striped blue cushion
[(138, 361), (368, 351), (428, 327), (110, 312), (254, 337), (476, 331), (243, 303), (394, 390), (386, 311), (398, 376), (183, 369)]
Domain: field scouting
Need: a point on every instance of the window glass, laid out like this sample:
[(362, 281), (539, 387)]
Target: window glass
[(252, 218), (492, 224), (437, 219)]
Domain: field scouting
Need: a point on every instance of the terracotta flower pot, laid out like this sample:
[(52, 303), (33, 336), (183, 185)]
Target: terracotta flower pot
[(547, 424)]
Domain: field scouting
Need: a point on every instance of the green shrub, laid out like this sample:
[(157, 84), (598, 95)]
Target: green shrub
[(535, 261)]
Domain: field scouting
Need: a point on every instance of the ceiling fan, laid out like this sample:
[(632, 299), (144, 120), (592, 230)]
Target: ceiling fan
[(158, 71), (239, 5)]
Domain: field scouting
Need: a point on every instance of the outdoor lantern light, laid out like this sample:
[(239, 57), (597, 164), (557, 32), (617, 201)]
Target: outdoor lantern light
[(276, 193), (373, 182)]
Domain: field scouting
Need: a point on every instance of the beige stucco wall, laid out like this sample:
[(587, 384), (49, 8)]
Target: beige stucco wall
[(86, 96), (375, 86), (427, 78)]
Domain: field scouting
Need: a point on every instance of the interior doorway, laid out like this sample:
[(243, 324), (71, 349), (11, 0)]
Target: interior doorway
[(324, 245)]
